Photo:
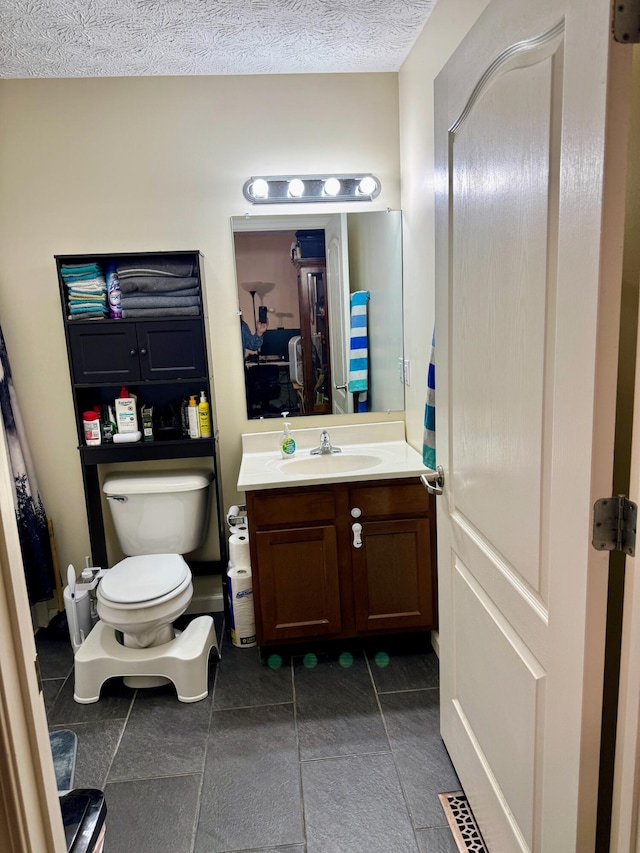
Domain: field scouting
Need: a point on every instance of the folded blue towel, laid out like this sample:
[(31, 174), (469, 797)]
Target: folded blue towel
[(85, 307), (86, 276), (429, 437), (88, 315), (79, 269), (359, 349)]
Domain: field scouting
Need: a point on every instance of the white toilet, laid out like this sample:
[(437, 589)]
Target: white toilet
[(158, 516)]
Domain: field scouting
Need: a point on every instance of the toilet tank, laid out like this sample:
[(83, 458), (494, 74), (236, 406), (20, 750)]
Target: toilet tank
[(159, 512)]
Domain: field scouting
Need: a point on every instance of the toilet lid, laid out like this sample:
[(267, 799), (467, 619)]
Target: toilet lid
[(138, 579)]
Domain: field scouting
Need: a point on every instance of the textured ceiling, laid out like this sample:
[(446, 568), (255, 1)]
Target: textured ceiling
[(116, 38)]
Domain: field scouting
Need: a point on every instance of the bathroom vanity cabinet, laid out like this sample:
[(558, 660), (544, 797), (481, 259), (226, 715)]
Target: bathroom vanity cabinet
[(160, 360), (317, 576)]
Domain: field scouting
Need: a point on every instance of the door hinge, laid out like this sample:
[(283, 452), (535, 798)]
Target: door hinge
[(614, 525), (38, 673), (626, 21)]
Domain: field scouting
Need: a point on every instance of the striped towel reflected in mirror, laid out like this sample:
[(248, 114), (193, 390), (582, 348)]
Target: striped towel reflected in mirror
[(359, 350), (429, 438)]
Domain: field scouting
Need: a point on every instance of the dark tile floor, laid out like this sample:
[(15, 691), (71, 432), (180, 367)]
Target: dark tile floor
[(328, 752)]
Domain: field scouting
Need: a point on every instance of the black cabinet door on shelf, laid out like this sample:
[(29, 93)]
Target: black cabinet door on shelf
[(104, 353), (171, 350), (119, 351)]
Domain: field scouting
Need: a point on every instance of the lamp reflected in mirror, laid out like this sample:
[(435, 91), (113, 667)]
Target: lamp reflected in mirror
[(301, 271)]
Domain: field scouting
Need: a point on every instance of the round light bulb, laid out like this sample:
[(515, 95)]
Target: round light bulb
[(296, 188), (367, 185), (332, 186), (260, 188)]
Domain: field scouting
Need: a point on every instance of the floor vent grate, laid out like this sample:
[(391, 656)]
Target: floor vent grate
[(462, 822)]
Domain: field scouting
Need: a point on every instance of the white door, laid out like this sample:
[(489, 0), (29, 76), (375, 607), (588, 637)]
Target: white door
[(525, 376), (337, 256)]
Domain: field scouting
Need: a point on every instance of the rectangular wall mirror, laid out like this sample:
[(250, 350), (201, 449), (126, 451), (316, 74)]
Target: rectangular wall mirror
[(298, 273)]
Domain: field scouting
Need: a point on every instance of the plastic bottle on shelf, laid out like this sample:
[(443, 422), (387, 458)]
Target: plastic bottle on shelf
[(91, 427), (126, 406), (204, 416), (194, 426)]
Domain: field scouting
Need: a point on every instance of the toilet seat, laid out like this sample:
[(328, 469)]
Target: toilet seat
[(144, 581)]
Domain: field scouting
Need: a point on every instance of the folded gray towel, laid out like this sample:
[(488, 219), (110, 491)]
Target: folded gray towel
[(157, 266), (157, 300), (156, 283), (143, 313), (166, 294)]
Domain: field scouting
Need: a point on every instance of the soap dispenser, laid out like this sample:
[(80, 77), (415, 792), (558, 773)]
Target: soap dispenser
[(287, 441)]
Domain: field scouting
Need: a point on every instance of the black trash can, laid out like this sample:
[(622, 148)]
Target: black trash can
[(83, 815)]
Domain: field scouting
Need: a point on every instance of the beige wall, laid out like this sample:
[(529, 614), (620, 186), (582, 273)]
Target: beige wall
[(448, 24), (266, 257), (144, 164)]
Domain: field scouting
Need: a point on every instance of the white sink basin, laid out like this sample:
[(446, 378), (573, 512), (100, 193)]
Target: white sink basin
[(376, 451), (335, 463)]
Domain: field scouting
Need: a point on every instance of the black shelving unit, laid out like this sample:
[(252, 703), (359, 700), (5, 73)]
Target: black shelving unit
[(160, 360)]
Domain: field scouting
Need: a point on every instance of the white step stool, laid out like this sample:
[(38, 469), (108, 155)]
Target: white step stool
[(183, 660)]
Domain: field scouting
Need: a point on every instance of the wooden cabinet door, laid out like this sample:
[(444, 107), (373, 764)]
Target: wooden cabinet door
[(392, 576), (298, 580), (171, 350), (104, 353)]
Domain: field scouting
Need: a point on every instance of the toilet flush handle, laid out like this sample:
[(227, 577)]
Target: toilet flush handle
[(120, 498)]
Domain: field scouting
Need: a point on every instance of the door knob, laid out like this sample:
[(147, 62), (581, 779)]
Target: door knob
[(434, 481), (340, 387), (143, 351), (133, 352), (357, 538)]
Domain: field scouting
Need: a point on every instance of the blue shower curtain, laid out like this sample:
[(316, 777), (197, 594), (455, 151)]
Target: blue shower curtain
[(30, 514)]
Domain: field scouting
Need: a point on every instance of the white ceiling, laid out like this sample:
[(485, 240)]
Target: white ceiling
[(116, 38)]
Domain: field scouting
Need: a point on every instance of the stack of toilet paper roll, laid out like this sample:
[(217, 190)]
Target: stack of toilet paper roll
[(240, 587)]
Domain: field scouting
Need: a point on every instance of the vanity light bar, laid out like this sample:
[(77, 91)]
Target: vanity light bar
[(283, 189)]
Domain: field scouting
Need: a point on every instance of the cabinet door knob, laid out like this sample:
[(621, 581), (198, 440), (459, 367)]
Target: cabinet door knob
[(143, 351), (357, 538), (356, 512), (133, 352)]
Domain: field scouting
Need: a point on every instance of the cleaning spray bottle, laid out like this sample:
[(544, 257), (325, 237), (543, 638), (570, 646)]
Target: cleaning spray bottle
[(287, 441)]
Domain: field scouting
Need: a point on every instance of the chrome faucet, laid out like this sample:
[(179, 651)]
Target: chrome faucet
[(325, 447)]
